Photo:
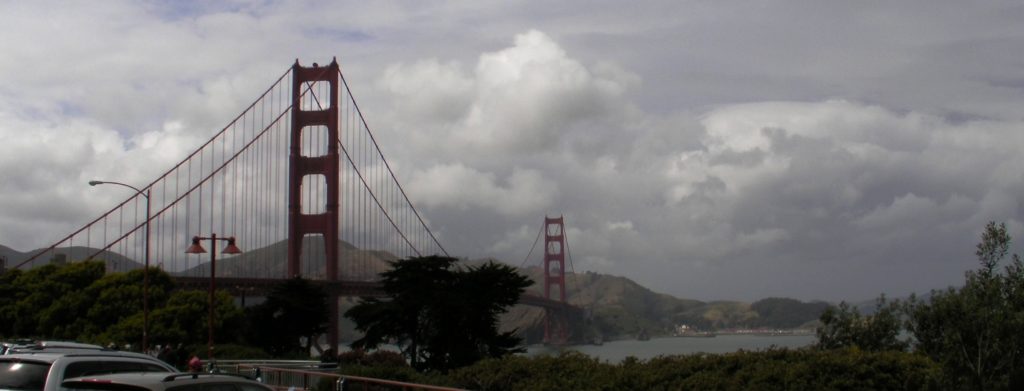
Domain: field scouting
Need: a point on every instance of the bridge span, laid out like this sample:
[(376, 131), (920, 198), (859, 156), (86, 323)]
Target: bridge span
[(261, 286)]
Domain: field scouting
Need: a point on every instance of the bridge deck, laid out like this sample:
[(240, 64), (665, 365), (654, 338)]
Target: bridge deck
[(261, 286)]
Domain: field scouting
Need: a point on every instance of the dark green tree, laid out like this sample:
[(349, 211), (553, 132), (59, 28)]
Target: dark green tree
[(442, 316), (9, 294), (844, 326), (974, 331), (78, 301), (785, 313), (113, 299), (294, 309)]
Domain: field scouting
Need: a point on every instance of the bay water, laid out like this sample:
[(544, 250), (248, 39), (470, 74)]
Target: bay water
[(616, 351)]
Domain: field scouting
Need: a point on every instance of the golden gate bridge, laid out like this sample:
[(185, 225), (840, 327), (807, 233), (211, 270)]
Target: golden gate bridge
[(298, 181)]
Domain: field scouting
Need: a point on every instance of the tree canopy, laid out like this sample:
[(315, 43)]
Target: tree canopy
[(441, 314), (972, 332), (79, 301), (294, 309), (844, 326)]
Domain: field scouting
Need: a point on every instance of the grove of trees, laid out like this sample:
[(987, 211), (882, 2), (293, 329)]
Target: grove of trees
[(79, 301), (443, 316), (972, 332)]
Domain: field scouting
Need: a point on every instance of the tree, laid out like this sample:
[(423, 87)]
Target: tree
[(785, 313), (9, 293), (294, 309), (844, 327), (973, 331), (78, 301), (441, 315)]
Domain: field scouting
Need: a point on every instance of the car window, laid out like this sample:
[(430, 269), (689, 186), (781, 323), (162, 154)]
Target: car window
[(218, 387), (92, 386), (190, 387), (252, 387), (92, 368), (21, 375)]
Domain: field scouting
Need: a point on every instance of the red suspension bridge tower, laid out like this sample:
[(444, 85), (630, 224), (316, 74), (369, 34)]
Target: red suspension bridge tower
[(556, 322), (326, 166)]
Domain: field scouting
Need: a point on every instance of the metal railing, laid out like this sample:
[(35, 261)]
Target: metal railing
[(306, 376)]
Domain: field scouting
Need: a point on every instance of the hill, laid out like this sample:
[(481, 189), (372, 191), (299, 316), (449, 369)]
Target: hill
[(355, 264), (620, 308), (114, 260)]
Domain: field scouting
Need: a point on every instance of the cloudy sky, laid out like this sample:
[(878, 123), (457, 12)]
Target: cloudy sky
[(706, 149)]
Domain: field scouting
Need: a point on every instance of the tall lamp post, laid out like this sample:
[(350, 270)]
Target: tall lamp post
[(197, 248), (145, 271)]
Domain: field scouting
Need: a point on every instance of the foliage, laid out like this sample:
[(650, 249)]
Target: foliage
[(293, 309), (381, 364), (78, 301), (974, 331), (844, 326), (183, 320), (442, 316), (806, 369), (785, 313), (9, 296), (373, 359), (235, 352)]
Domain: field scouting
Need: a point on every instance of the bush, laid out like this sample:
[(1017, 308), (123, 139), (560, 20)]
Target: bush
[(568, 371), (804, 369), (382, 364), (237, 352)]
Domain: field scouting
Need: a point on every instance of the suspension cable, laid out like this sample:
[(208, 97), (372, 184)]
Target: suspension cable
[(386, 164), (539, 232)]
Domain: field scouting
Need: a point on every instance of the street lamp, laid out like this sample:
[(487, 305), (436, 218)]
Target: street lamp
[(197, 248), (145, 271)]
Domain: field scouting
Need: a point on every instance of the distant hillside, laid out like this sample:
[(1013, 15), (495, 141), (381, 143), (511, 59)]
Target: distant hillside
[(621, 308), (355, 264), (65, 254)]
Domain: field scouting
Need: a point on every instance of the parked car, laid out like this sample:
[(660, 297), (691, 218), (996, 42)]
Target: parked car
[(45, 370), (164, 382)]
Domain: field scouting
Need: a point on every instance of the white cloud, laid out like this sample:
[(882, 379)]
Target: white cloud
[(523, 192), (721, 154), (531, 97)]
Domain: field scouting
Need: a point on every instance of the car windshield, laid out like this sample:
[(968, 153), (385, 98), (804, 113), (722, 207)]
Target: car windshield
[(22, 375), (83, 386)]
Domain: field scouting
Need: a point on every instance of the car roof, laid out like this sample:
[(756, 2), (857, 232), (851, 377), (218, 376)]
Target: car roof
[(67, 344), (51, 356), (155, 380), (56, 346)]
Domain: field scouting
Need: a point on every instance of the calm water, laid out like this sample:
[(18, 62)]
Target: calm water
[(615, 351)]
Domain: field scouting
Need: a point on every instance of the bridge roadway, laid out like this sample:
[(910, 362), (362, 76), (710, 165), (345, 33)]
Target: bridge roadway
[(260, 287)]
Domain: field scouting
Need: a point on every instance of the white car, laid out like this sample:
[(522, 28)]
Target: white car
[(45, 371)]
